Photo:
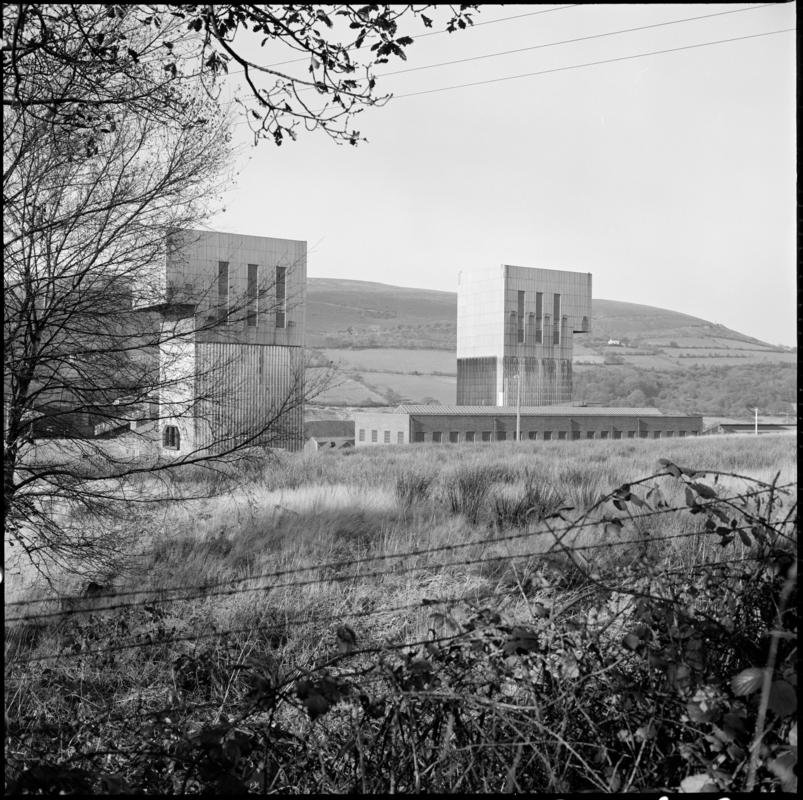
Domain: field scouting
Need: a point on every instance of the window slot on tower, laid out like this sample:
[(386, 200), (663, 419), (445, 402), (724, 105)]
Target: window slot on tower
[(223, 290), (556, 319), (520, 317), (251, 315), (539, 317), (281, 297)]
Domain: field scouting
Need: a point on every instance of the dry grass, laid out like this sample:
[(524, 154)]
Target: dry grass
[(297, 530)]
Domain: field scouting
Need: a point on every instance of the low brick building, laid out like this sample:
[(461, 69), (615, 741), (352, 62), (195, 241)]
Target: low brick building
[(458, 424)]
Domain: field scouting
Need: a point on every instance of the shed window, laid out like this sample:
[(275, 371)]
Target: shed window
[(501, 436), (575, 434), (656, 434), (631, 434), (171, 437), (387, 437), (469, 436), (454, 437), (437, 436), (603, 434), (532, 435), (361, 435), (681, 433), (374, 436), (617, 434), (400, 437), (418, 436), (589, 434), (561, 434), (547, 435), (486, 436)]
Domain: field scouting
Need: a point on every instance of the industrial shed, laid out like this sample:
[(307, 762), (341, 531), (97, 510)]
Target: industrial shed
[(466, 424)]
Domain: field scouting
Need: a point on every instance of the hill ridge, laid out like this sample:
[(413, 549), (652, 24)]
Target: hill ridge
[(389, 302)]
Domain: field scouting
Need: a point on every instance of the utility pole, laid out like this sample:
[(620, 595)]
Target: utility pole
[(756, 424), (518, 403)]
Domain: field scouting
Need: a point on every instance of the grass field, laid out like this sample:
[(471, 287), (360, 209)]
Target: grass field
[(275, 563)]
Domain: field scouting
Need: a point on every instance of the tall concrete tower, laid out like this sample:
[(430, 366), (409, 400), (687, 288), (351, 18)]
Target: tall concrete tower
[(516, 324), (231, 360)]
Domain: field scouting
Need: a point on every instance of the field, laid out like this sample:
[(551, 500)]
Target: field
[(395, 343), (428, 618)]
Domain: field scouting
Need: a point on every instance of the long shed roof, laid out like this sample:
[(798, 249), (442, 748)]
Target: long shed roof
[(529, 411)]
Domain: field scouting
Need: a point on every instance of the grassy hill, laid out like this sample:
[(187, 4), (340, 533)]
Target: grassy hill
[(397, 344)]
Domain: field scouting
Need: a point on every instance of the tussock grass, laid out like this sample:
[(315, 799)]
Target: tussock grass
[(313, 519)]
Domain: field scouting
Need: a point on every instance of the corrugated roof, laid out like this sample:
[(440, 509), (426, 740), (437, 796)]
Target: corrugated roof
[(529, 411)]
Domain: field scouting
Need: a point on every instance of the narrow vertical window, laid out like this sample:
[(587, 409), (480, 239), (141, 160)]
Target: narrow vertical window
[(556, 318), (520, 317), (281, 297), (223, 290), (539, 317), (251, 314)]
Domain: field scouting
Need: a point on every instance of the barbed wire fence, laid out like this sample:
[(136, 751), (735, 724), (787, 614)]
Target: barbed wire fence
[(357, 681)]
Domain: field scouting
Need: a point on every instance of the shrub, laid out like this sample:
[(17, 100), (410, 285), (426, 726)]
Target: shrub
[(534, 502), (412, 488), (467, 490)]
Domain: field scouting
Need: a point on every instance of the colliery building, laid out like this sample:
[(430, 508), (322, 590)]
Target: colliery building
[(231, 355), (515, 331), (515, 334)]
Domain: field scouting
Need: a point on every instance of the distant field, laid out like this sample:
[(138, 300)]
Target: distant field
[(394, 360), (414, 388)]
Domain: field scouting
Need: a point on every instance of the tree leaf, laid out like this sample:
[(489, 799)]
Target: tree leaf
[(783, 698), (747, 681), (671, 468), (703, 490), (701, 782), (783, 767), (521, 641)]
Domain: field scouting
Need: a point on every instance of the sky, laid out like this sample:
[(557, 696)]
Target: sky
[(670, 177)]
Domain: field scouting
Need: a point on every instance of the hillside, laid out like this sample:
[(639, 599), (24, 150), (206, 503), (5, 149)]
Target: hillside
[(397, 344), (348, 314)]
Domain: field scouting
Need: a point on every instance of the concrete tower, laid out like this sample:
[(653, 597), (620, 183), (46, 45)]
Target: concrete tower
[(231, 362), (519, 321)]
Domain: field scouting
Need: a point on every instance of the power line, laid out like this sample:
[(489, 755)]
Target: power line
[(426, 603), (203, 590), (649, 539), (438, 33), (571, 41), (592, 63)]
